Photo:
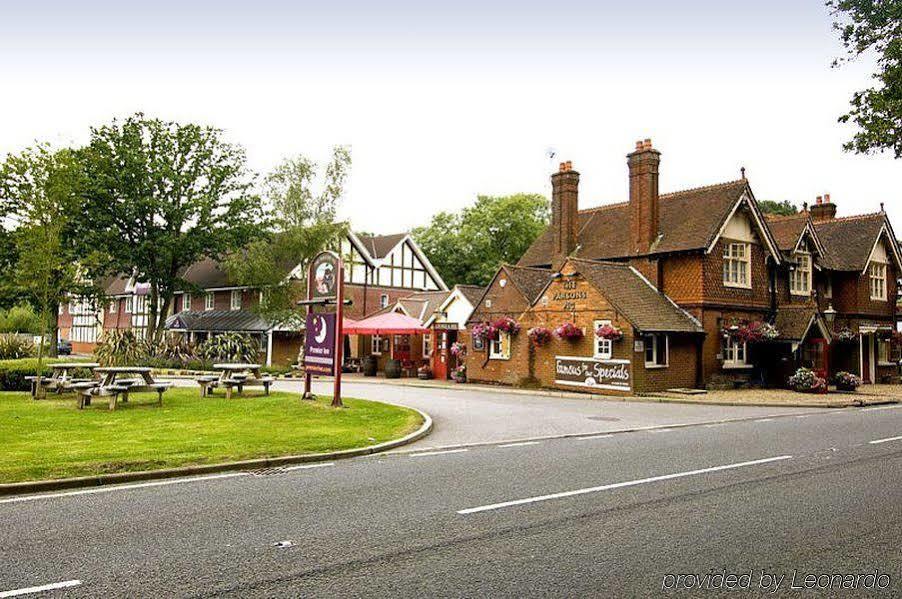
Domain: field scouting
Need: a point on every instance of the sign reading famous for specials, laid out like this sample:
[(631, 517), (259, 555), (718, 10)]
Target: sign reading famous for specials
[(323, 276), (614, 375)]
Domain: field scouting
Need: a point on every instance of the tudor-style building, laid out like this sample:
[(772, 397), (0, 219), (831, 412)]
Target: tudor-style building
[(710, 253)]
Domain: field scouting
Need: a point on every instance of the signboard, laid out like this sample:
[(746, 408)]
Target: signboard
[(319, 344), (446, 326), (613, 375), (324, 276)]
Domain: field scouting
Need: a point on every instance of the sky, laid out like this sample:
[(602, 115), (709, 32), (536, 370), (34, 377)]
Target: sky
[(443, 102)]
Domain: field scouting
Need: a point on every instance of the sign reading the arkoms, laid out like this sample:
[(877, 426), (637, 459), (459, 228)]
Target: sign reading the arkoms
[(589, 372)]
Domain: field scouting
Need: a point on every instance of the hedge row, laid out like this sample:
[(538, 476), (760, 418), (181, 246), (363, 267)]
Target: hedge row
[(13, 372)]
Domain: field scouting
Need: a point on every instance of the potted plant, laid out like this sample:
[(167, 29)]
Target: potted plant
[(846, 381), (539, 336), (806, 381), (459, 374), (609, 332), (568, 332), (424, 372), (458, 350)]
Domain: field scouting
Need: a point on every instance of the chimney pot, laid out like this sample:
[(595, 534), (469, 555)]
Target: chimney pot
[(826, 198), (569, 165), (562, 167), (646, 144), (819, 200)]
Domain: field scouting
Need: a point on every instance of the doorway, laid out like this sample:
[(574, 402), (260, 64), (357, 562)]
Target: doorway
[(445, 362), (868, 362)]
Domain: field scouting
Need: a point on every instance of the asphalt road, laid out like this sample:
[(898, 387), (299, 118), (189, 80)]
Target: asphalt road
[(616, 516)]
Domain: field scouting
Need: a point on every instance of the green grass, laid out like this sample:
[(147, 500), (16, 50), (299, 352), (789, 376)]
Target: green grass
[(53, 439)]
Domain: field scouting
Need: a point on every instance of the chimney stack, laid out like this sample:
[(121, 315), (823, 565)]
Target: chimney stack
[(824, 209), (644, 219), (564, 213)]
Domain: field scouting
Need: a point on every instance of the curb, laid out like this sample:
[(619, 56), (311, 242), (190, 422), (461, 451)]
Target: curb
[(143, 475)]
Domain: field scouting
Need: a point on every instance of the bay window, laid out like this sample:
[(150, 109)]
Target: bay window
[(737, 266)]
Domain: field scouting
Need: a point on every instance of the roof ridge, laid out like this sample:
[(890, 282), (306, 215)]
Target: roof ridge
[(535, 268), (603, 207), (663, 195), (601, 262), (850, 217), (779, 217)]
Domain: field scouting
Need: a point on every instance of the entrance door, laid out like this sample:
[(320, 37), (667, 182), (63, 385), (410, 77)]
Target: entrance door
[(867, 359), (814, 356), (441, 353)]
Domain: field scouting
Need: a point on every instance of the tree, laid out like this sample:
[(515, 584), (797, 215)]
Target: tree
[(41, 192), (164, 195), (302, 203), (873, 27), (468, 246), (784, 208)]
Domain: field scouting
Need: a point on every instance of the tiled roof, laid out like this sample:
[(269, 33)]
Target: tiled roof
[(786, 229), (792, 322), (423, 304), (689, 220), (530, 281), (380, 245), (632, 295), (207, 273), (217, 320), (471, 292), (848, 241)]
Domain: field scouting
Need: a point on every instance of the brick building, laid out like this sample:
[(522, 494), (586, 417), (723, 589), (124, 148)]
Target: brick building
[(823, 288)]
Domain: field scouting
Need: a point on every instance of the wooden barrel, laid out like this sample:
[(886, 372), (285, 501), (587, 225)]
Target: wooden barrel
[(369, 366), (393, 369)]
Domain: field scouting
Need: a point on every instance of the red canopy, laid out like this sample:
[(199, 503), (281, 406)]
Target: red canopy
[(390, 323)]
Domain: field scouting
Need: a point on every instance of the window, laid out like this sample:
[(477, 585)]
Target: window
[(235, 303), (878, 281), (500, 348), (656, 347), (130, 304), (478, 344), (828, 286), (383, 300), (735, 353), (603, 347), (883, 351), (427, 345), (208, 301), (376, 345), (800, 276), (186, 302), (737, 265), (114, 306)]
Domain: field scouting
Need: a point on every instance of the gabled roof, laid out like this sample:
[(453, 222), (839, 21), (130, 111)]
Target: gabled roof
[(422, 305), (471, 292), (794, 322), (217, 320), (529, 281), (379, 246), (849, 240), (788, 230), (207, 274), (631, 294), (689, 220)]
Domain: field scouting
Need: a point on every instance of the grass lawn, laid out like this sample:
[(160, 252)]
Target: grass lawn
[(53, 439)]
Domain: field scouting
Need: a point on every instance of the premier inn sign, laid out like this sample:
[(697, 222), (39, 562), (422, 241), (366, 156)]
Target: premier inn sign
[(614, 375)]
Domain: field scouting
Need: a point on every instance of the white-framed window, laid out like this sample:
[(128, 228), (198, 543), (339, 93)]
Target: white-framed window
[(114, 306), (427, 345), (604, 348), (737, 264), (208, 301), (656, 350), (130, 304), (735, 353), (884, 355), (877, 272), (376, 345), (383, 300), (235, 299), (800, 275), (500, 348), (186, 302)]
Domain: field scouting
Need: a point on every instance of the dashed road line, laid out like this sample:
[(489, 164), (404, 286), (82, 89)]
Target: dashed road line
[(425, 453), (765, 420), (309, 466), (593, 437), (521, 444), (630, 483), (67, 584)]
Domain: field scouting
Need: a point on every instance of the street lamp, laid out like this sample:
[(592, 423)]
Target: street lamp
[(830, 315)]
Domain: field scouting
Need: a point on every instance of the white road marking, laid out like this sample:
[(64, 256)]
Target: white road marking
[(878, 441), (110, 489), (802, 416), (630, 483), (765, 420), (41, 589), (308, 466), (892, 407), (661, 430), (521, 444), (714, 425), (417, 455), (594, 437)]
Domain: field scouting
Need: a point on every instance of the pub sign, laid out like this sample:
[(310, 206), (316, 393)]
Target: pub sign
[(614, 375)]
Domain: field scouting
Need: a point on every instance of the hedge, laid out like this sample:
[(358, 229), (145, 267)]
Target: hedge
[(13, 372)]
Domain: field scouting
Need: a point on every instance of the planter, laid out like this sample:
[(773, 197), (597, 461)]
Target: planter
[(424, 376), (370, 364), (393, 369), (460, 379)]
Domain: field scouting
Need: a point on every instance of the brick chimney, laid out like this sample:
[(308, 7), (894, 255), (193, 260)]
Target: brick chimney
[(823, 208), (564, 213), (644, 221)]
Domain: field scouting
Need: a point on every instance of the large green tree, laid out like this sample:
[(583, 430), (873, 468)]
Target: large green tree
[(873, 28), (467, 246), (302, 199), (41, 191), (784, 208), (162, 196)]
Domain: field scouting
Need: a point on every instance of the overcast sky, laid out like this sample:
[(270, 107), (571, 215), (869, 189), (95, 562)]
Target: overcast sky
[(442, 104)]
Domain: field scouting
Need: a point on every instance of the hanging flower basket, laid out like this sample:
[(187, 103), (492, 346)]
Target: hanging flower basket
[(752, 332), (846, 335), (484, 331), (458, 349), (805, 381), (539, 336), (609, 332), (568, 332), (507, 325)]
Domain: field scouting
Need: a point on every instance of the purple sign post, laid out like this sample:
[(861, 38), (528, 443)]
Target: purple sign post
[(319, 344), (324, 338)]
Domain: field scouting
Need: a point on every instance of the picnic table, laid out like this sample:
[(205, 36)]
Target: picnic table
[(234, 375), (116, 381), (61, 378)]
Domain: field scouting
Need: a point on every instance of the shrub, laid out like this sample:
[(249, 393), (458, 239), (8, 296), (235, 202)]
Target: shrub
[(846, 381), (174, 350), (806, 381), (13, 372), (20, 319), (229, 347), (122, 347), (14, 347)]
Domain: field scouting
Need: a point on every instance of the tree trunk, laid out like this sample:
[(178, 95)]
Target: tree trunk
[(53, 333), (152, 315)]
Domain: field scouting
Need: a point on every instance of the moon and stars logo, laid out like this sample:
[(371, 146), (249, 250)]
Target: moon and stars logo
[(320, 329)]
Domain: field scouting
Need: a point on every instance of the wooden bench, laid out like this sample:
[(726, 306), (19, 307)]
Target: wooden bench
[(88, 390), (207, 383)]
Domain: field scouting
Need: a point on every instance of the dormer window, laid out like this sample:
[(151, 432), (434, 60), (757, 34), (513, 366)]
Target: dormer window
[(877, 272), (800, 275), (737, 265)]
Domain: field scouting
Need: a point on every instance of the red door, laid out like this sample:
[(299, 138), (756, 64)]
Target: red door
[(440, 354), (819, 353), (866, 359)]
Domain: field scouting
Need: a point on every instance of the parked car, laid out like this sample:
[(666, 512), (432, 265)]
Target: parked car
[(64, 347)]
